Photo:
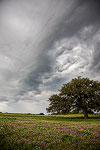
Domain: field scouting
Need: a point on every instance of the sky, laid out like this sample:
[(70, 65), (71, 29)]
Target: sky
[(44, 44)]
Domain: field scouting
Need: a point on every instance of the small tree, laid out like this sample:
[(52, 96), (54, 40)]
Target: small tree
[(81, 94)]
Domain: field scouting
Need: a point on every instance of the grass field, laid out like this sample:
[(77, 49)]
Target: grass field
[(47, 132)]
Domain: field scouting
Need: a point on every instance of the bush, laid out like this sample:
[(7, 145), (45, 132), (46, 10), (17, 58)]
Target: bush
[(41, 113)]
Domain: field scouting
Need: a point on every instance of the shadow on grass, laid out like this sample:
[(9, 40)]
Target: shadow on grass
[(13, 117), (76, 119)]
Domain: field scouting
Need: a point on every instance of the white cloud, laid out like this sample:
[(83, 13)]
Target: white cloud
[(74, 56)]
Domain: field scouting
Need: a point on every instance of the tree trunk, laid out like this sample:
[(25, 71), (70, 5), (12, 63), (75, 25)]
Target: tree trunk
[(85, 113)]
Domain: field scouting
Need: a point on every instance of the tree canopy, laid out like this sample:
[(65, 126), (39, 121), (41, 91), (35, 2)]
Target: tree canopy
[(80, 94)]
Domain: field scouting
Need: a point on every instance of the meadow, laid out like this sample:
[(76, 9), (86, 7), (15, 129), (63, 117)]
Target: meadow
[(48, 132)]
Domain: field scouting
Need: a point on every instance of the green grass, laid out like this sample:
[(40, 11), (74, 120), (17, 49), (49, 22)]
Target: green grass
[(47, 132)]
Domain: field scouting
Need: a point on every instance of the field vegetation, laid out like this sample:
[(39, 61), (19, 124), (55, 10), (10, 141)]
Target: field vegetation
[(49, 132)]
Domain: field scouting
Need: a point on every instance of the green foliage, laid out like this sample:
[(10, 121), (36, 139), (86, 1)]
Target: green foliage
[(81, 94), (74, 112), (55, 103)]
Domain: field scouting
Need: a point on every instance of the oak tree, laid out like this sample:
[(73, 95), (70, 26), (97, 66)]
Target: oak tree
[(80, 94)]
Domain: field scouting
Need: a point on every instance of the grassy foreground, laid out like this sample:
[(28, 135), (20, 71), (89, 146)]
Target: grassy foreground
[(47, 132)]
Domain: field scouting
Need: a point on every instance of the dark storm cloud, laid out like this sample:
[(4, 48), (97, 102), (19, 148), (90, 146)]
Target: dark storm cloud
[(44, 65), (96, 59), (44, 44), (83, 14), (1, 1), (3, 98)]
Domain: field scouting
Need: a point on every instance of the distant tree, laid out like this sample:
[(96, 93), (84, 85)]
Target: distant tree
[(29, 113), (41, 113), (81, 94)]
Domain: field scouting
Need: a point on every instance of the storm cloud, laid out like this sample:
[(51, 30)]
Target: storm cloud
[(44, 44)]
